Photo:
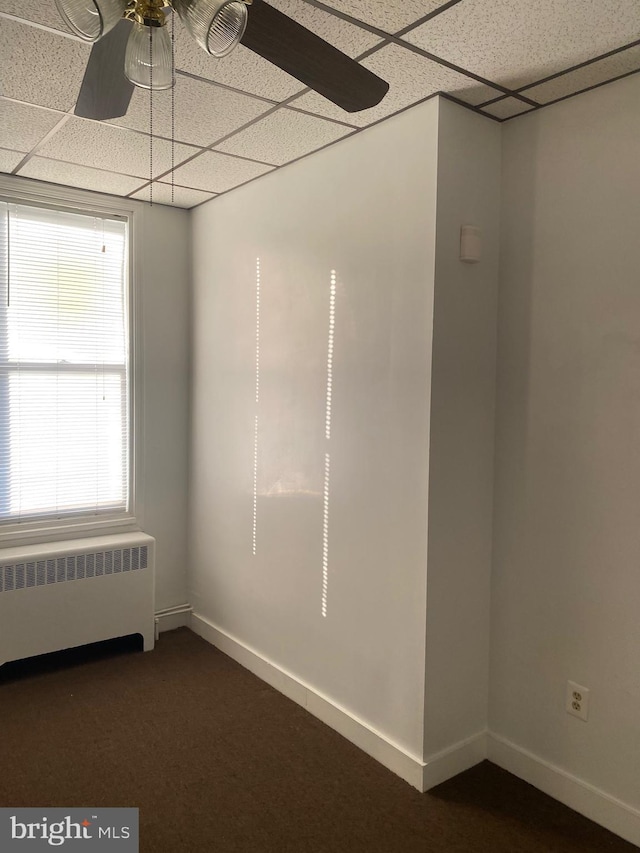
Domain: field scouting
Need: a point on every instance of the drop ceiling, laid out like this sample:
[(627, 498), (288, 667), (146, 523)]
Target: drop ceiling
[(239, 117)]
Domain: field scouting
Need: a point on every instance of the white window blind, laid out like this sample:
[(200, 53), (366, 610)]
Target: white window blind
[(64, 355)]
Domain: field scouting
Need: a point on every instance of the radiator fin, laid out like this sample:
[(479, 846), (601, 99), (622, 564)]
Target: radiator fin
[(19, 576)]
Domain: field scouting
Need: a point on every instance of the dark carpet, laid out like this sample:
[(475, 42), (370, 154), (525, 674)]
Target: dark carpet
[(219, 762)]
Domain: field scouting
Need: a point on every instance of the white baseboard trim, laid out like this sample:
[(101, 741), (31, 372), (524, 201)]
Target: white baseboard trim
[(598, 806), (453, 760), (172, 618), (613, 814), (374, 743)]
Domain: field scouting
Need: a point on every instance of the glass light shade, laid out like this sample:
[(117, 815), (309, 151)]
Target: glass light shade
[(216, 25), (91, 19), (140, 54)]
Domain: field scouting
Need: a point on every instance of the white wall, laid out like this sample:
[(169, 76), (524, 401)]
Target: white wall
[(462, 431), (163, 282), (566, 585), (365, 208)]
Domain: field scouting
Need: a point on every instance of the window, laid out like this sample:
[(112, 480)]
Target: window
[(64, 365)]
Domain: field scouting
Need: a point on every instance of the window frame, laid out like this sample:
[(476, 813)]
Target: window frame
[(16, 190)]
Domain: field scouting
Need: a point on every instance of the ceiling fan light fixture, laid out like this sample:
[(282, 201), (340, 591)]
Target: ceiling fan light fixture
[(91, 19), (216, 25), (146, 65)]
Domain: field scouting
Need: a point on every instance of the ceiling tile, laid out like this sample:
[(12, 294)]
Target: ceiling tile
[(40, 67), (9, 159), (116, 149), (241, 69), (507, 108), (40, 11), (386, 15), (72, 175), (204, 112), (283, 136), (182, 196), (587, 76), (348, 38), (217, 173), (513, 43), (23, 126), (411, 78)]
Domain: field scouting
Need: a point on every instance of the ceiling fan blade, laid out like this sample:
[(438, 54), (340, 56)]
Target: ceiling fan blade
[(310, 59), (105, 91)]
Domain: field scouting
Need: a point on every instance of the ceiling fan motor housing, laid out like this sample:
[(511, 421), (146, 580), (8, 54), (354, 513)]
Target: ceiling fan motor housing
[(149, 13)]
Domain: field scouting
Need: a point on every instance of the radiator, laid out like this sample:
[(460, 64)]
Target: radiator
[(66, 594)]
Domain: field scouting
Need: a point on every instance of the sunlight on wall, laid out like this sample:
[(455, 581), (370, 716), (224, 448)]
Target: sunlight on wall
[(255, 429), (332, 320), (257, 330), (327, 457), (325, 534), (255, 486)]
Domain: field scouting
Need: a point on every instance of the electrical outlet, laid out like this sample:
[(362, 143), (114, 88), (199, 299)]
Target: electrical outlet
[(577, 700)]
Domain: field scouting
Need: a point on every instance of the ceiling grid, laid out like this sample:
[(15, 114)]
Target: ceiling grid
[(240, 117)]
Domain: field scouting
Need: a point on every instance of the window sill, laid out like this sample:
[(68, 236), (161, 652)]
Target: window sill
[(50, 531)]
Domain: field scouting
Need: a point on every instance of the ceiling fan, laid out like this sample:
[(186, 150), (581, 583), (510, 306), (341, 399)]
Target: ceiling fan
[(133, 48)]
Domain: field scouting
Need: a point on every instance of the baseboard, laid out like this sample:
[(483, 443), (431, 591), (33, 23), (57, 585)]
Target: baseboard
[(598, 806), (453, 760), (613, 814), (172, 618), (374, 743)]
